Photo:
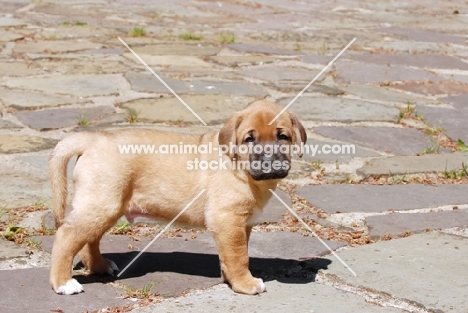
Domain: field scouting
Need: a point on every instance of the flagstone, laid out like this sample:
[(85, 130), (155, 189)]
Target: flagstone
[(82, 85), (60, 118), (340, 109), (382, 198), (54, 46), (146, 82), (213, 109), (27, 99), (392, 140)]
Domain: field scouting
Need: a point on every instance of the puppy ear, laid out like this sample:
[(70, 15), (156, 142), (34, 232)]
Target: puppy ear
[(228, 134), (300, 136)]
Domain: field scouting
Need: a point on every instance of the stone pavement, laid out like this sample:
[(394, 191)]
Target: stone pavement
[(395, 208)]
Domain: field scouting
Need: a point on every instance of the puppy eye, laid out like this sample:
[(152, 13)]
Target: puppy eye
[(249, 139), (283, 137)]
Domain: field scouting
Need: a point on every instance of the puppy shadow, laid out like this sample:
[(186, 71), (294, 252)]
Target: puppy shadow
[(207, 265)]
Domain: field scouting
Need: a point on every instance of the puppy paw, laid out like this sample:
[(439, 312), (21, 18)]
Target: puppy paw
[(112, 267), (69, 288), (251, 287), (105, 266)]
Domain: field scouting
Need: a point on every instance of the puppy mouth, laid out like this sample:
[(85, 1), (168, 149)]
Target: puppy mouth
[(264, 167), (266, 176)]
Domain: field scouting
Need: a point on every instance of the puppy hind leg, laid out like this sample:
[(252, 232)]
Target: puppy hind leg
[(81, 231), (98, 221), (93, 260), (68, 241)]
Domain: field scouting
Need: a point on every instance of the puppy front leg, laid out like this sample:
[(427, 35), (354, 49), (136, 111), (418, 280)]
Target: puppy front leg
[(232, 244)]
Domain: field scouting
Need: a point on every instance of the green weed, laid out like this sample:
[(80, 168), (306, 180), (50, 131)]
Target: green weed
[(138, 32), (190, 36), (83, 120), (226, 38)]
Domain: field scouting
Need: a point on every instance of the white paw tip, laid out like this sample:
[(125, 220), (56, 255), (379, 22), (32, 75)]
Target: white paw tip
[(71, 287), (262, 286)]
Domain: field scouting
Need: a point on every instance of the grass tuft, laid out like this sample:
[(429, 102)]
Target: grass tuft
[(226, 38), (138, 32), (82, 120), (190, 36), (133, 116)]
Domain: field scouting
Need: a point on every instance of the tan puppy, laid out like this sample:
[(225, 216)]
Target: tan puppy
[(110, 183)]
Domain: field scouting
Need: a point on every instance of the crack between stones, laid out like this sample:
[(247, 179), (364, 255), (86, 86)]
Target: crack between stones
[(373, 296)]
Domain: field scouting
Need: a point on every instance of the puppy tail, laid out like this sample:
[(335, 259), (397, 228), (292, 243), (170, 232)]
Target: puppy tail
[(58, 162)]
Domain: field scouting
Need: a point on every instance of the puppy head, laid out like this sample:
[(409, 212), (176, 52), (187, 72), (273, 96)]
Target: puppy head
[(263, 150)]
